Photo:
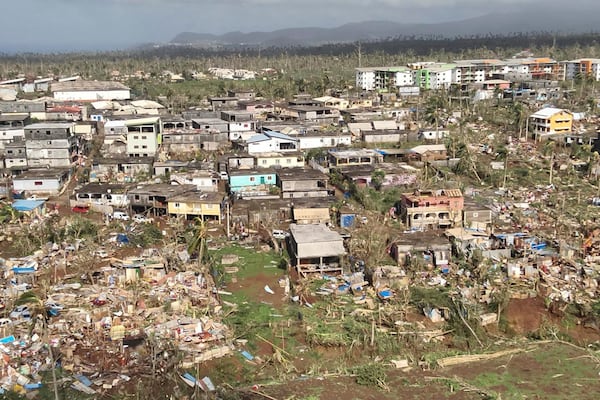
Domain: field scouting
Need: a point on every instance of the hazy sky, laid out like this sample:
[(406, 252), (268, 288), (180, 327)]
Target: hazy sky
[(58, 25)]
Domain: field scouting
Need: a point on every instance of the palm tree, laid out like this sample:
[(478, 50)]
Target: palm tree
[(197, 243), (39, 314)]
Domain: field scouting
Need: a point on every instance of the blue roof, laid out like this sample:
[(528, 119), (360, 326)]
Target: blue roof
[(27, 205), (257, 138), (278, 135)]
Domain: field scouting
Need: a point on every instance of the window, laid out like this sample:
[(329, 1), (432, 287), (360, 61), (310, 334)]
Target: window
[(264, 162), (289, 161), (136, 147), (136, 137), (144, 146), (49, 141), (252, 179), (38, 183), (269, 177), (176, 205), (144, 137), (48, 132)]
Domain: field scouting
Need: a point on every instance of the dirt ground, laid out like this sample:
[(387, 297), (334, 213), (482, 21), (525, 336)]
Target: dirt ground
[(525, 316)]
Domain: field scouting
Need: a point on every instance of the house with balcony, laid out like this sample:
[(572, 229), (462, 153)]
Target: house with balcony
[(314, 248), (153, 198), (271, 141), (349, 158), (207, 206), (96, 195), (432, 209), (550, 121)]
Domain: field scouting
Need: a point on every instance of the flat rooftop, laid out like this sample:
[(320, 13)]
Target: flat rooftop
[(84, 86), (314, 233)]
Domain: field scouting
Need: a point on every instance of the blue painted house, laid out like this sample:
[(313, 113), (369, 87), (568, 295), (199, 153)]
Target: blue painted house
[(252, 182)]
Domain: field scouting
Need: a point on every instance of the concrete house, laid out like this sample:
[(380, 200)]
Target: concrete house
[(302, 182), (318, 139), (348, 158), (211, 125), (437, 209), (315, 248), (429, 152), (98, 196), (384, 136), (15, 155), (80, 90), (205, 181), (252, 183), (124, 169), (197, 204), (187, 141), (279, 160), (153, 198), (12, 127), (550, 121), (143, 136), (51, 144), (271, 141), (41, 181), (426, 247), (34, 109), (311, 210)]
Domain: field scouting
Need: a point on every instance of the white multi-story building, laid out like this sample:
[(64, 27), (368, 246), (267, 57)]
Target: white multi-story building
[(583, 67), (365, 78), (142, 137)]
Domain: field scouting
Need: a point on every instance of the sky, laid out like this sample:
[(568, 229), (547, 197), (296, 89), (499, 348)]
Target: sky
[(64, 25)]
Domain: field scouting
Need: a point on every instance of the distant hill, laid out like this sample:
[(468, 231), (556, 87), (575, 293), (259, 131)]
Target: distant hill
[(547, 19)]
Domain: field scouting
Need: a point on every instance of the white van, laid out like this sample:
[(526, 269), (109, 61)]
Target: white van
[(120, 215)]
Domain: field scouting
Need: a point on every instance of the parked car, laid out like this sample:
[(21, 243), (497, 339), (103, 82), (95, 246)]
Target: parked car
[(224, 175), (5, 322), (120, 215), (279, 234), (139, 218), (21, 312), (80, 209)]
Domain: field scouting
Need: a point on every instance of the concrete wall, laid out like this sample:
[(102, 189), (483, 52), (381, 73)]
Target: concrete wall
[(93, 95), (50, 186), (312, 142)]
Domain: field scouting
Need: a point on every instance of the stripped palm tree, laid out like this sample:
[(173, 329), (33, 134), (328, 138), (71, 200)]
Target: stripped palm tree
[(40, 314), (197, 244)]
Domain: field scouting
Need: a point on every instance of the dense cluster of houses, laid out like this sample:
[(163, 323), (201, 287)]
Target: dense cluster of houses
[(488, 74)]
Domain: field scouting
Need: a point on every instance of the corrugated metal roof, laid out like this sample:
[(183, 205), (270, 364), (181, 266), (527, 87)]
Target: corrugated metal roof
[(547, 112)]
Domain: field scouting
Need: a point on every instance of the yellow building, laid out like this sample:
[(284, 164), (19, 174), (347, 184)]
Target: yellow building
[(551, 121), (197, 204)]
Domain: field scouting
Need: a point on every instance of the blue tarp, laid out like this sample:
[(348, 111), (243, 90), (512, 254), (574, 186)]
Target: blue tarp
[(122, 238), (27, 205), (7, 339), (23, 270)]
